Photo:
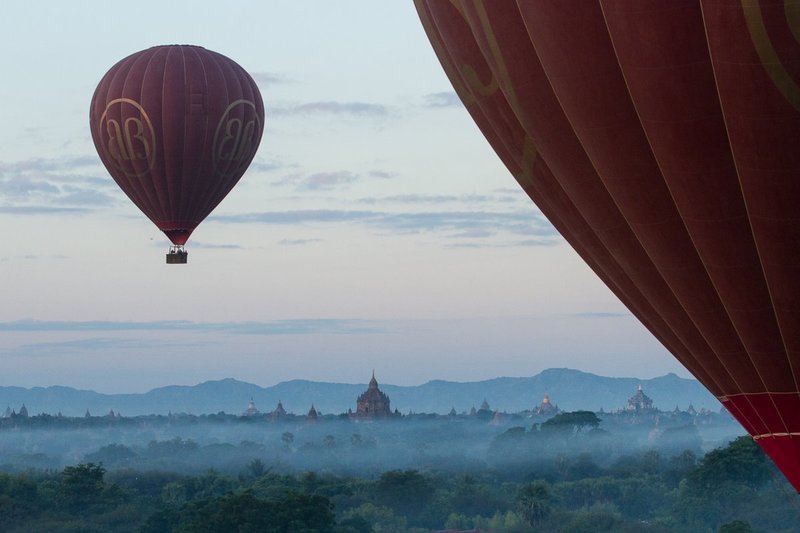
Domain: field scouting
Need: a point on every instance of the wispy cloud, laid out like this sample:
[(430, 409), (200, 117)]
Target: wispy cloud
[(328, 180), (528, 223), (264, 166), (211, 245), (442, 99), (95, 345), (507, 244), (430, 199), (601, 315), (269, 78), (355, 109), (298, 242), (278, 327), (381, 174), (41, 210), (40, 186), (318, 181)]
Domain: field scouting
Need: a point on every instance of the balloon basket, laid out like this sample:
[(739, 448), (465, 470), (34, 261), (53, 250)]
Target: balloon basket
[(177, 255)]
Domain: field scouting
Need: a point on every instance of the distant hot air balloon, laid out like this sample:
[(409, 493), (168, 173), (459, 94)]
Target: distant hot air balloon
[(176, 127), (662, 139)]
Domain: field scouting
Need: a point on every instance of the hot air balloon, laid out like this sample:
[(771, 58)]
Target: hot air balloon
[(176, 126), (662, 139)]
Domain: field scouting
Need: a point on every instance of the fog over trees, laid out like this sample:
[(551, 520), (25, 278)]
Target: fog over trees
[(502, 472)]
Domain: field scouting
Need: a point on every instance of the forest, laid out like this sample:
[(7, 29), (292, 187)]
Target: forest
[(570, 473)]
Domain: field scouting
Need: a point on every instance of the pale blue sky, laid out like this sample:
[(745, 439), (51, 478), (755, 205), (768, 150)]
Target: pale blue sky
[(375, 229)]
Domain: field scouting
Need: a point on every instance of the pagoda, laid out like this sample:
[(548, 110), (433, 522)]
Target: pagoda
[(373, 403), (639, 402)]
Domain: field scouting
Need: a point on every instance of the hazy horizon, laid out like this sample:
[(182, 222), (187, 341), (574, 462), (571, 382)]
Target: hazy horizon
[(375, 228)]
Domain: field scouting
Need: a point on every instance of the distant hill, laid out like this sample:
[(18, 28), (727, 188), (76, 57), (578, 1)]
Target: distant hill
[(569, 389)]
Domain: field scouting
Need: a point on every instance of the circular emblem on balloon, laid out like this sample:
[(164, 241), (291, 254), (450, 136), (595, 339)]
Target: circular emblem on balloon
[(128, 140), (235, 139)]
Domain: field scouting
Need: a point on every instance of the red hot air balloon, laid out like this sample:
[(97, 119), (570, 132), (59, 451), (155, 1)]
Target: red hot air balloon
[(662, 139), (176, 126)]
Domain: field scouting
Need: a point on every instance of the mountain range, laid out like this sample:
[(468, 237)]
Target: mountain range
[(567, 388)]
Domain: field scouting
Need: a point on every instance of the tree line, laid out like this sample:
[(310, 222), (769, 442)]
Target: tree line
[(730, 489)]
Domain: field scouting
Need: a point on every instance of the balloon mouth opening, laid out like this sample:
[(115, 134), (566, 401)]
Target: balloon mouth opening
[(177, 236)]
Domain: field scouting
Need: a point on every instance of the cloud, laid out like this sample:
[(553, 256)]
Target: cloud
[(42, 165), (277, 327), (38, 185), (318, 181), (409, 199), (474, 234), (602, 315), (507, 244), (528, 223), (356, 109), (41, 210), (298, 242), (382, 174), (328, 180), (435, 199), (264, 166), (269, 78), (98, 345), (296, 217), (82, 196), (209, 245), (442, 99)]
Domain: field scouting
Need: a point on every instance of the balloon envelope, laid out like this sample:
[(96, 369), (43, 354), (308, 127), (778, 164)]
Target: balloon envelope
[(176, 126), (662, 140)]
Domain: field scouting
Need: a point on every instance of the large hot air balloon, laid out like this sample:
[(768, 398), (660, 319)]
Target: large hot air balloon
[(662, 139), (176, 127)]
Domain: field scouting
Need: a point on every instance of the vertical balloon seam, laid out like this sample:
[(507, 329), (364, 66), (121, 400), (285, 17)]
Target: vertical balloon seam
[(207, 197), (695, 330), (204, 188), (672, 196), (101, 99), (228, 177), (234, 91), (149, 176), (188, 110), (744, 196), (504, 79), (773, 65), (427, 24), (247, 97), (507, 87), (513, 100), (661, 281), (690, 360), (147, 188), (679, 214), (192, 181), (171, 50)]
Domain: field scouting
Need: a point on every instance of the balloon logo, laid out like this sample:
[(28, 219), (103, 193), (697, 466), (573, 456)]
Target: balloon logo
[(176, 127), (130, 142), (661, 140), (234, 138)]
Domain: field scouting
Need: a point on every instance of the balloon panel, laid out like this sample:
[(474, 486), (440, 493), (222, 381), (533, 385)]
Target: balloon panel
[(669, 131)]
